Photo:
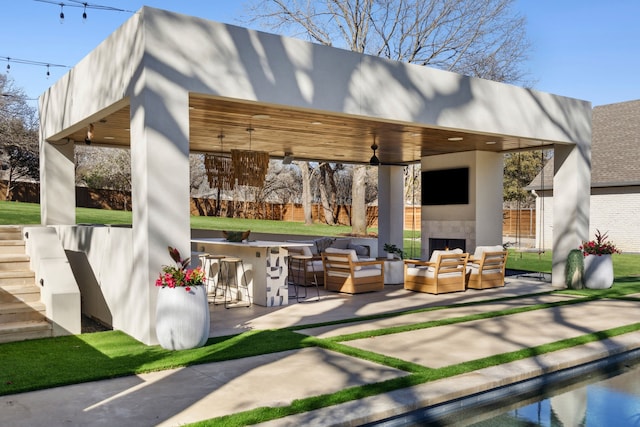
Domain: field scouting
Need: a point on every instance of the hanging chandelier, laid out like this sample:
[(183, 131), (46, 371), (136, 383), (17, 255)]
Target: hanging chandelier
[(219, 169), (249, 167)]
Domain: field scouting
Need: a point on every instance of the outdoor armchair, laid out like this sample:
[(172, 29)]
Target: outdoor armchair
[(487, 268), (344, 272), (446, 274)]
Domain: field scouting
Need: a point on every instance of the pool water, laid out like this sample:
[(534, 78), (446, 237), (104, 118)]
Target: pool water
[(598, 399)]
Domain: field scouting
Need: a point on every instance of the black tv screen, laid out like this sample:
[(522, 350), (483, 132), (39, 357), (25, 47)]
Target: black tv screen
[(445, 187)]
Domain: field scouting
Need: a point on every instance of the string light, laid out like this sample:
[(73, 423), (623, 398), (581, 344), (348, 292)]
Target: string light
[(83, 5), (29, 62)]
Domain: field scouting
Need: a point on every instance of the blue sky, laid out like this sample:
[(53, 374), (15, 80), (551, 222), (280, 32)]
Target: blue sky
[(585, 49)]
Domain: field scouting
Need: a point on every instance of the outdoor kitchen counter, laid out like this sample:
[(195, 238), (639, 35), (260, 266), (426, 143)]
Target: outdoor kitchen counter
[(265, 264)]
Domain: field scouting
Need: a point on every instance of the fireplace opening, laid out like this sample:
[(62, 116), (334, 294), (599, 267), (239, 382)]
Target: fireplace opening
[(443, 244)]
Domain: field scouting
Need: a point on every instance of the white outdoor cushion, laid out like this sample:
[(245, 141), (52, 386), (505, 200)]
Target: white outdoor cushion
[(306, 251), (481, 249), (429, 272), (352, 254), (363, 272), (315, 266), (475, 270), (310, 250), (437, 253)]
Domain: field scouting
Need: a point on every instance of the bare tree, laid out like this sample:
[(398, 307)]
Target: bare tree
[(104, 168), (305, 172), (358, 206), (18, 136), (328, 192), (480, 38)]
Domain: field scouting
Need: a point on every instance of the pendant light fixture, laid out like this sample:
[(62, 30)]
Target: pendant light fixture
[(374, 161)]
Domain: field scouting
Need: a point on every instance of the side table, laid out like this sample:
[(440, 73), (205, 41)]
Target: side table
[(393, 271)]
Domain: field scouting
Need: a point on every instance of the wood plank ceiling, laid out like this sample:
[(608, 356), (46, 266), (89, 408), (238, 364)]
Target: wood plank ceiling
[(307, 135)]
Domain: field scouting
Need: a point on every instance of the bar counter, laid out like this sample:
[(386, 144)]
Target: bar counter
[(265, 264)]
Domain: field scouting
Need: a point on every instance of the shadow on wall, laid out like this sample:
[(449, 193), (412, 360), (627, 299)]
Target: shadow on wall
[(92, 301)]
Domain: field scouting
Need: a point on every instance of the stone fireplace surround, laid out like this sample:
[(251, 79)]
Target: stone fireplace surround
[(447, 230)]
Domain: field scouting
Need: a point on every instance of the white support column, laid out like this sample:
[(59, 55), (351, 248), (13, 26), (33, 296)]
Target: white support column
[(160, 194), (571, 198), (488, 198), (390, 206), (57, 183)]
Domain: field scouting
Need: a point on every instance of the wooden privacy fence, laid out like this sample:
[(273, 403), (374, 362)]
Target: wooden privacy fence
[(520, 223), (291, 212), (514, 223)]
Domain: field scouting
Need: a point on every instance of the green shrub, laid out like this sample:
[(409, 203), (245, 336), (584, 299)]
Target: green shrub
[(575, 269)]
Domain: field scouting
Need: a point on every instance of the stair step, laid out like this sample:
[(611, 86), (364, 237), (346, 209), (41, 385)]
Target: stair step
[(19, 293), (12, 247), (13, 262), (22, 312), (10, 232), (20, 331), (17, 277)]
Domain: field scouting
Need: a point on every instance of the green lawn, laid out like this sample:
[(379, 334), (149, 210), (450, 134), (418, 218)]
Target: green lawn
[(46, 363)]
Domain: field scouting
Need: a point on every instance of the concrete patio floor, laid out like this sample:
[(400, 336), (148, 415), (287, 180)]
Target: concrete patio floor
[(200, 392)]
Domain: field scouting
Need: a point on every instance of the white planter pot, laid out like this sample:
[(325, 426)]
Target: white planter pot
[(182, 318), (390, 256), (598, 271)]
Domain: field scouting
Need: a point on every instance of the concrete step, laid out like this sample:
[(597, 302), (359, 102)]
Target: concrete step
[(19, 292), (22, 312), (12, 247), (10, 232), (14, 262), (17, 277), (20, 331)]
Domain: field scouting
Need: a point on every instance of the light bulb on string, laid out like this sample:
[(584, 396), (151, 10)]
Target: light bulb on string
[(61, 13), (48, 73), (84, 14), (8, 66)]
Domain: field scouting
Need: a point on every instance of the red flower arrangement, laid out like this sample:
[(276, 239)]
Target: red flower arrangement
[(180, 275), (599, 246)]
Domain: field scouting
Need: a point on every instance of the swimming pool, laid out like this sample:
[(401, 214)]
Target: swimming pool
[(599, 399), (601, 393)]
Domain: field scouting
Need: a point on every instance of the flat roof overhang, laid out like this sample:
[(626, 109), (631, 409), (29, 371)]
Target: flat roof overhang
[(306, 134)]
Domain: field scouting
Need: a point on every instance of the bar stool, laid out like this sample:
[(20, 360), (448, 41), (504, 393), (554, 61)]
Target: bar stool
[(232, 262), (212, 270), (301, 263)]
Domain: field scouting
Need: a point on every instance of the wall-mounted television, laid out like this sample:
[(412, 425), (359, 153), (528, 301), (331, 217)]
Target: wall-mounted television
[(445, 187)]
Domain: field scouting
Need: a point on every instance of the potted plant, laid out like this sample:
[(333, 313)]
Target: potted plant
[(392, 250), (182, 311), (575, 269), (598, 265)]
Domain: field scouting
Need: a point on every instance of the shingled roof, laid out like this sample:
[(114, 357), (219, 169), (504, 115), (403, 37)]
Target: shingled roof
[(615, 150)]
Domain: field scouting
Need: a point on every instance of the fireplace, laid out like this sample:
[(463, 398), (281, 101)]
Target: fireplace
[(439, 244)]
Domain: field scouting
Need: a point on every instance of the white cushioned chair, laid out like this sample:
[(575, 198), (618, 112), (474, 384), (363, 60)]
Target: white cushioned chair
[(487, 267), (446, 274), (343, 272)]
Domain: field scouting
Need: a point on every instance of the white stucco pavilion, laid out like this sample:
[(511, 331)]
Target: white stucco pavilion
[(165, 84)]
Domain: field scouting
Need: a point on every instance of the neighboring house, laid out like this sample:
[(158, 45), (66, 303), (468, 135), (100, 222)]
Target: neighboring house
[(615, 178)]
